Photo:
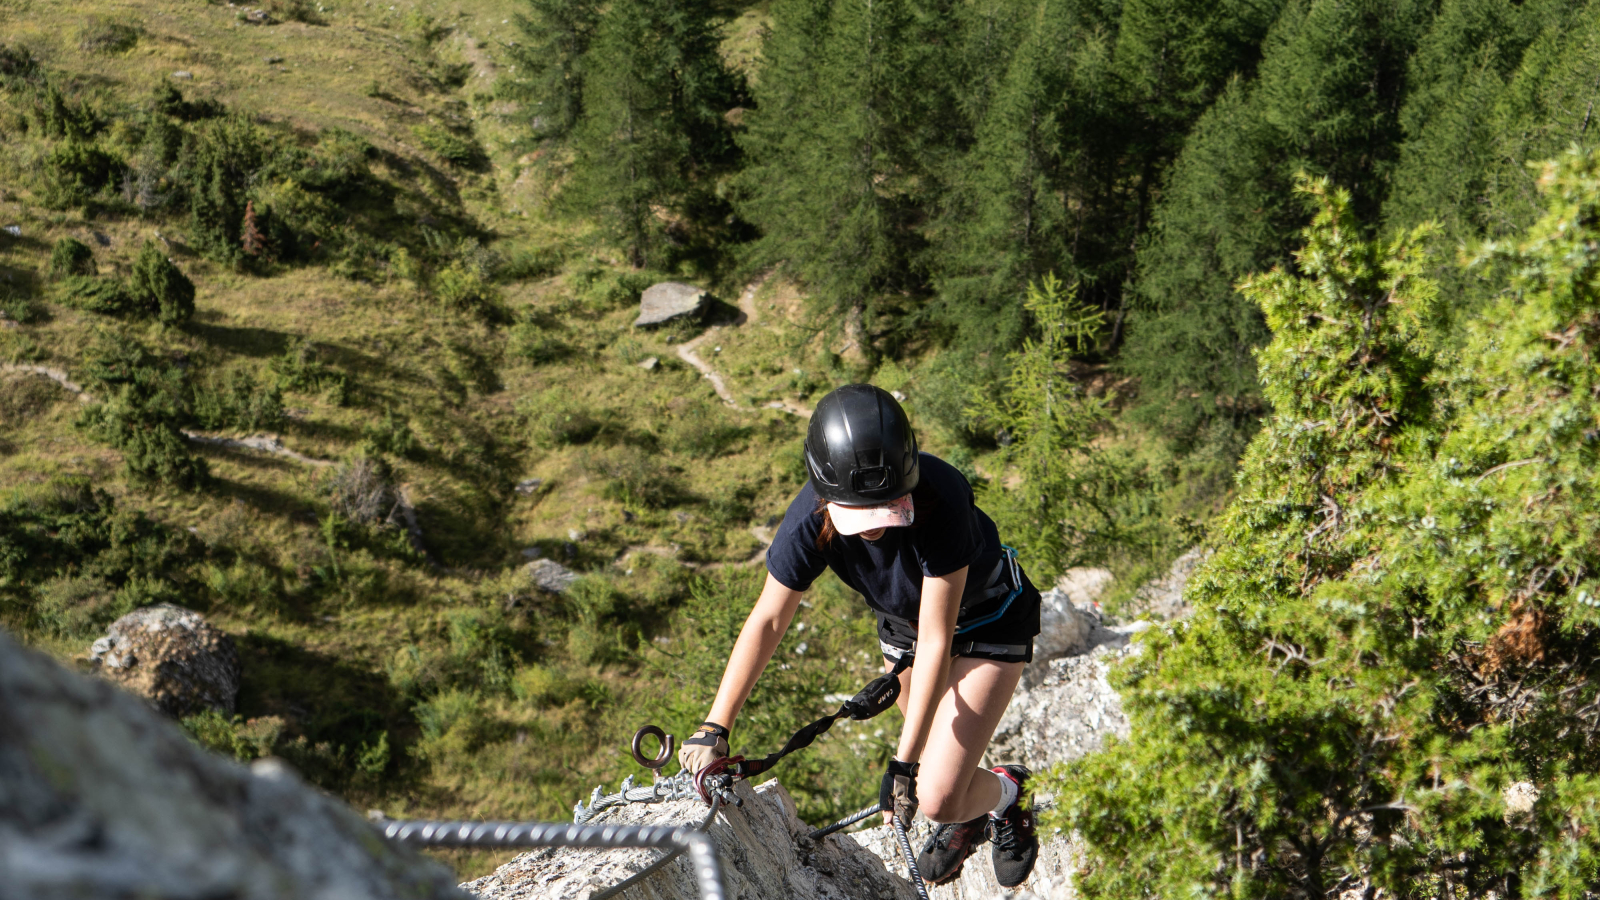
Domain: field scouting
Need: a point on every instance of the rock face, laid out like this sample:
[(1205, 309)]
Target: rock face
[(101, 797), (670, 300), (763, 846), (173, 657), (1162, 598), (1069, 711)]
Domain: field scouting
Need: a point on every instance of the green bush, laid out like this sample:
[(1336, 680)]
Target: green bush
[(236, 400), (457, 149), (103, 35), (1399, 623), (160, 288), (95, 293), (143, 404), (76, 173), (71, 256), (71, 561)]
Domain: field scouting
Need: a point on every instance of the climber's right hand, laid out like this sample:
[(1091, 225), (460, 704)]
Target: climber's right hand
[(709, 744)]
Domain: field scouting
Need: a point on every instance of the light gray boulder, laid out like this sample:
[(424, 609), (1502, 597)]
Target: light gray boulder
[(172, 657), (101, 797), (550, 576), (669, 300)]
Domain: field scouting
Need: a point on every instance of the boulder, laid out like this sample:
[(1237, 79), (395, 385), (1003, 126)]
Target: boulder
[(172, 657), (101, 797), (550, 576), (670, 300), (763, 846)]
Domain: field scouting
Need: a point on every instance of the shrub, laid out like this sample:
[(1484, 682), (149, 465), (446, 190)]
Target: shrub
[(236, 400), (71, 256), (144, 401), (75, 173), (160, 288), (456, 149), (392, 434), (71, 561), (103, 35), (96, 294), (1399, 623), (362, 491)]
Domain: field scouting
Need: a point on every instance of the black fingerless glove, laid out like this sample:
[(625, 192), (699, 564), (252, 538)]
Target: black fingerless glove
[(707, 735), (898, 792)]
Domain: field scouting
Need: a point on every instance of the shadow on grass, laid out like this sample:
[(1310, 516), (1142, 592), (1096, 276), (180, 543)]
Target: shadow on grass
[(265, 500), (244, 340), (326, 699)]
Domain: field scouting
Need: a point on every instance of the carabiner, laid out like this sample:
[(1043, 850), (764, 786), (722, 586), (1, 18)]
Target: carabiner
[(719, 770)]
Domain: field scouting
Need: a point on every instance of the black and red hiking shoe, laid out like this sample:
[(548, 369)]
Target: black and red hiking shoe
[(1016, 847), (948, 848)]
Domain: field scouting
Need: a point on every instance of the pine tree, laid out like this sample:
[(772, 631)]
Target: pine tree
[(549, 63), (839, 199), (653, 129), (1051, 423), (1009, 218), (251, 240), (1325, 101), (159, 288)]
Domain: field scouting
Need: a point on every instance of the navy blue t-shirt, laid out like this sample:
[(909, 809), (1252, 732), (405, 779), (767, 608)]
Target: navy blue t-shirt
[(948, 532)]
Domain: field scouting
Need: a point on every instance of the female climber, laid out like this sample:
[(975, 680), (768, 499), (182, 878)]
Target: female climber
[(901, 528)]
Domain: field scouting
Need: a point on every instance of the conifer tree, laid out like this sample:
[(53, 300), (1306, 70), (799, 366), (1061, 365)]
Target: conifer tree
[(1051, 422), (1330, 83), (1007, 221), (839, 202), (159, 288), (252, 241), (549, 63), (653, 127)]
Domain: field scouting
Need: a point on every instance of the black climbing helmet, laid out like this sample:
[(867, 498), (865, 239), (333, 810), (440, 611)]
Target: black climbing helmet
[(860, 450)]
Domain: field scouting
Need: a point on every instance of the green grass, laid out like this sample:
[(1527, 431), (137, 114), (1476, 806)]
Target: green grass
[(435, 683)]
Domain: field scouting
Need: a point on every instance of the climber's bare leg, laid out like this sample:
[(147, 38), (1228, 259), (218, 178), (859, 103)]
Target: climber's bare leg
[(950, 785)]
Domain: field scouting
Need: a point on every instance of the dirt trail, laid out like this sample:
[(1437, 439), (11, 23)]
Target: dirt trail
[(56, 375), (747, 315)]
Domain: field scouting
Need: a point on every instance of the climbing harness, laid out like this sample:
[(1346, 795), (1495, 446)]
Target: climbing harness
[(1008, 562)]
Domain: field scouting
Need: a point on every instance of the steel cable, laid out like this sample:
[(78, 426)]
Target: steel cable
[(911, 858), (669, 856), (844, 823), (706, 868)]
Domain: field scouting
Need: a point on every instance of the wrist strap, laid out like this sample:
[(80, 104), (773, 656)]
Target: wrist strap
[(712, 729), (900, 767)]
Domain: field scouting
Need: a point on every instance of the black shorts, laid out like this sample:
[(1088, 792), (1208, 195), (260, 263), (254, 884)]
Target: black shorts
[(1008, 640)]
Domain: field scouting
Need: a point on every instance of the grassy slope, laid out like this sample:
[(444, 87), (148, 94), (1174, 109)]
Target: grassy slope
[(646, 466), (320, 653)]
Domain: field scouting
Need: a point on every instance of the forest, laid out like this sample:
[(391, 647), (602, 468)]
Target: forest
[(1311, 283)]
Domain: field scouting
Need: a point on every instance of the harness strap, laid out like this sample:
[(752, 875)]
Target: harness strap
[(970, 647)]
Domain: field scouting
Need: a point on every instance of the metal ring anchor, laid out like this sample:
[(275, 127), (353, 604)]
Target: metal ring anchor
[(667, 746)]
